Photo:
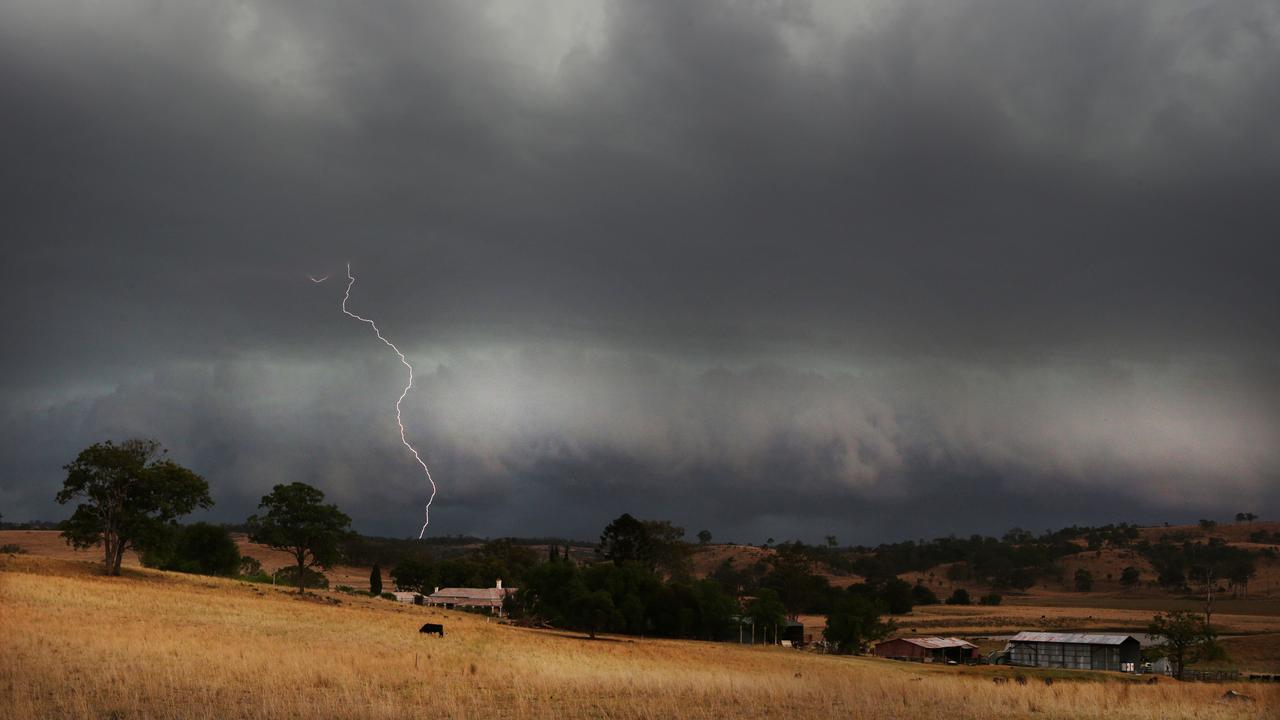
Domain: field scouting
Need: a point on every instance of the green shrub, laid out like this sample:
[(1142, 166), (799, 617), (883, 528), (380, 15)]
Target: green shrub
[(959, 597), (990, 599), (12, 549), (1083, 580), (310, 578), (200, 549), (250, 566), (922, 595), (1130, 577)]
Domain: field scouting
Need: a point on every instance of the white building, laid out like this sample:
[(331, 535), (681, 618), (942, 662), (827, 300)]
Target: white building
[(454, 597)]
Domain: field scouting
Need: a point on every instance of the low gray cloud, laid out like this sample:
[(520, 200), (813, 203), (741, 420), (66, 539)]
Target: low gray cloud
[(775, 267), (547, 439)]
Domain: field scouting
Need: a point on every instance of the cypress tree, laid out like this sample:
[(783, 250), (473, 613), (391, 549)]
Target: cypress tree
[(375, 580)]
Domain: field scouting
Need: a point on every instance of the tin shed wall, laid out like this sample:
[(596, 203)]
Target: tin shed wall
[(900, 648)]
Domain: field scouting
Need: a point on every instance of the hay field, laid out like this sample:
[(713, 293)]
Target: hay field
[(162, 645)]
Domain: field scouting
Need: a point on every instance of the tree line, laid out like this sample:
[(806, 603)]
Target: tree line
[(130, 496)]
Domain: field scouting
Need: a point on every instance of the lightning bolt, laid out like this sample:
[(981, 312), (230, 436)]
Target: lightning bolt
[(317, 280), (399, 421)]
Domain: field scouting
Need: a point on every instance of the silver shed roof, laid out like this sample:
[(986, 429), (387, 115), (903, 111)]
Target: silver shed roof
[(937, 643), (1072, 638)]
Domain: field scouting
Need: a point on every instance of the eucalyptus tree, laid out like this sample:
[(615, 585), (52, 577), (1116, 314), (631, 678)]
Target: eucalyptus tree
[(297, 521), (128, 495)]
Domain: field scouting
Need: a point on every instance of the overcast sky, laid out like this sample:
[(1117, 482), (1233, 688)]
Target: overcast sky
[(879, 269)]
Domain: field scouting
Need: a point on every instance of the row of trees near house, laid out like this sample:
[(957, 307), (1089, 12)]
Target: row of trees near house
[(641, 583)]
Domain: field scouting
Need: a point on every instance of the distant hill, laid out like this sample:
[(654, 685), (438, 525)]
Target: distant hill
[(1103, 552)]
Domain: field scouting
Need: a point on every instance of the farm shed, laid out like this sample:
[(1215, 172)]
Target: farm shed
[(937, 649), (1080, 651), (793, 632), (490, 598), (745, 631)]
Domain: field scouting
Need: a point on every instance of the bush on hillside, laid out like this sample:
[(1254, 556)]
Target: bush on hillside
[(250, 566), (897, 596), (200, 549), (959, 597), (310, 578), (1130, 577), (922, 595), (1083, 580), (990, 599)]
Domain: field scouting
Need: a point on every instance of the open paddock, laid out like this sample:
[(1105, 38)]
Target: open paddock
[(164, 645)]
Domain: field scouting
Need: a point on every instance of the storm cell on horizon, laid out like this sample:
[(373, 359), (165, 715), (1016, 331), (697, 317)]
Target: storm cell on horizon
[(887, 270)]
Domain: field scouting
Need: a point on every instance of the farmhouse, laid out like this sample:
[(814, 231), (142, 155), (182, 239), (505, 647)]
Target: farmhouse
[(926, 649), (490, 598), (1079, 651)]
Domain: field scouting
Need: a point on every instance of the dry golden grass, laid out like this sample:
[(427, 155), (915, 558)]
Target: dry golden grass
[(1258, 653), (953, 619), (161, 645), (49, 543)]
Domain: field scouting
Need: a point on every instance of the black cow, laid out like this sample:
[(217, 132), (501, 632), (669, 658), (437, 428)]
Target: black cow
[(432, 629)]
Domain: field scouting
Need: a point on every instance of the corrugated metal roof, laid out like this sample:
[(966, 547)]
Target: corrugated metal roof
[(1071, 638), (487, 594), (936, 643)]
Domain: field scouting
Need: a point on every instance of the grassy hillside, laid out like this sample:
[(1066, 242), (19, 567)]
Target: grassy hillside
[(162, 645)]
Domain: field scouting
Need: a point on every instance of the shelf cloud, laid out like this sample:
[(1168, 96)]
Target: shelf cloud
[(877, 269)]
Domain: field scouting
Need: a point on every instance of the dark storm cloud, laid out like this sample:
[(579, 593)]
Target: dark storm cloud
[(760, 266)]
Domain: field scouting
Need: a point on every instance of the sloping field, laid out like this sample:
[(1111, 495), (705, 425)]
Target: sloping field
[(1107, 564), (162, 645), (49, 543), (706, 558)]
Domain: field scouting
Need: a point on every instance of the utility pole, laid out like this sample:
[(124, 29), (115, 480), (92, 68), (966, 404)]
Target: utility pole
[(1208, 597)]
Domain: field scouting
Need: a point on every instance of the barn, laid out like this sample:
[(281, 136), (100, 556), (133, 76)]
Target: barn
[(926, 649), (1080, 651)]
